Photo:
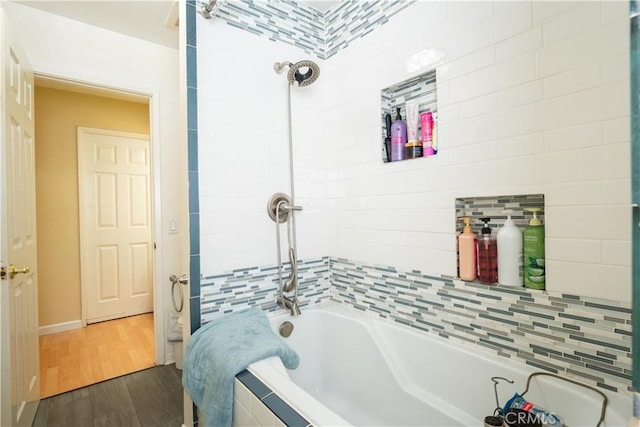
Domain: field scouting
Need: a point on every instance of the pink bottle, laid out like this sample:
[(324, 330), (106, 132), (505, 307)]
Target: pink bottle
[(426, 122)]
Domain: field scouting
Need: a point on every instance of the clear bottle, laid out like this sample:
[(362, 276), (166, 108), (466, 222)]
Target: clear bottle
[(533, 248), (509, 253), (467, 252), (487, 255)]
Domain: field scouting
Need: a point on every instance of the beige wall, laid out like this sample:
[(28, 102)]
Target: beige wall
[(58, 114)]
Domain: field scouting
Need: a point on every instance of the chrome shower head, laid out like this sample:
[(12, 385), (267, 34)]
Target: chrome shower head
[(303, 72)]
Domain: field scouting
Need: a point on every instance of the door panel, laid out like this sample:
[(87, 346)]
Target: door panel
[(138, 205), (108, 289), (107, 201), (139, 268)]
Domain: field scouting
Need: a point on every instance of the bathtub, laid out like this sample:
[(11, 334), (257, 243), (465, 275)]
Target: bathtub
[(358, 369)]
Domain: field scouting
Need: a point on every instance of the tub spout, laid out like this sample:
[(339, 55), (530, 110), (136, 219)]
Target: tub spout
[(291, 304)]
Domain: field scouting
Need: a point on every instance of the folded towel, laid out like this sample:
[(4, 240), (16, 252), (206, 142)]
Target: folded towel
[(223, 348)]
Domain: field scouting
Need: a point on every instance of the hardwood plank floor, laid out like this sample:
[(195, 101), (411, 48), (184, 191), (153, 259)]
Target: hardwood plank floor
[(101, 351), (152, 397)]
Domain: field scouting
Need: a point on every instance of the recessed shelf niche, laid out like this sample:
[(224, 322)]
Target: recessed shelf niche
[(420, 89), (492, 207)]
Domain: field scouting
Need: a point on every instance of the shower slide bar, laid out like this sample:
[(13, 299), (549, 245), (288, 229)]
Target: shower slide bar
[(281, 210)]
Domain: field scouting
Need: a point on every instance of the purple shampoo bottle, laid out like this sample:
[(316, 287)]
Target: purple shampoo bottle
[(398, 138)]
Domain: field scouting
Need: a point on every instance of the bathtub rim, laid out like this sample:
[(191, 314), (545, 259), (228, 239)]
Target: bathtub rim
[(274, 375)]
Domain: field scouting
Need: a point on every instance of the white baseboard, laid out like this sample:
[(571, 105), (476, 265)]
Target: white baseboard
[(60, 327)]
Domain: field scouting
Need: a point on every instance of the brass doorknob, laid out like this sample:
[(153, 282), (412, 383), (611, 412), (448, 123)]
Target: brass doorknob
[(13, 271)]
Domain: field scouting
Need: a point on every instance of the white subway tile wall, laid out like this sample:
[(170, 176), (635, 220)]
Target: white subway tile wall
[(533, 98)]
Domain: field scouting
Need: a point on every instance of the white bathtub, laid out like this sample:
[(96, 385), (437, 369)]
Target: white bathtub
[(357, 369)]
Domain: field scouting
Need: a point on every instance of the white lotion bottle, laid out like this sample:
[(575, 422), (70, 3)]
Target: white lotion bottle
[(510, 253)]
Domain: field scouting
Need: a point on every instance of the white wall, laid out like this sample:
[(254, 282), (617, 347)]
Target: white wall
[(243, 149), (62, 47), (533, 98)]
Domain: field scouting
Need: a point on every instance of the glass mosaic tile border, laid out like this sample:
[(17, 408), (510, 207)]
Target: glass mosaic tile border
[(280, 21), (478, 207), (241, 288), (570, 335), (581, 337), (354, 19), (296, 24)]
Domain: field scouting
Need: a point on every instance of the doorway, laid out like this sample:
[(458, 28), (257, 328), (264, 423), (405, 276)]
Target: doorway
[(63, 107)]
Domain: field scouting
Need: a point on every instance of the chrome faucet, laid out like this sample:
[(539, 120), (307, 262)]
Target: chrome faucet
[(290, 303)]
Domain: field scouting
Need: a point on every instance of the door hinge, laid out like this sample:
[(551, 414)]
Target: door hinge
[(154, 246)]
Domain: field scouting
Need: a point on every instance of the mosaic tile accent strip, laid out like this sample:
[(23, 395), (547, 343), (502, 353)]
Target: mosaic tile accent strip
[(478, 207), (283, 21), (565, 334), (353, 19), (297, 24), (238, 289)]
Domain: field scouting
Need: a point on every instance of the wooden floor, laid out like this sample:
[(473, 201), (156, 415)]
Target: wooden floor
[(101, 351), (152, 397)]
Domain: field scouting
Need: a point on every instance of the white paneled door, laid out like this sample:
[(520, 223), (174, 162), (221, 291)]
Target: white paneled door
[(19, 377), (115, 224)]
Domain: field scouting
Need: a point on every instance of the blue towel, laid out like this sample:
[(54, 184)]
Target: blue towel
[(223, 348)]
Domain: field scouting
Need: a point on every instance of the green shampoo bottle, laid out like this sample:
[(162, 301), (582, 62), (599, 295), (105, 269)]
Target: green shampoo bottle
[(533, 253)]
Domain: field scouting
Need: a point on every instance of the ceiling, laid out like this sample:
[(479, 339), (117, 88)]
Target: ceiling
[(151, 20), (140, 19)]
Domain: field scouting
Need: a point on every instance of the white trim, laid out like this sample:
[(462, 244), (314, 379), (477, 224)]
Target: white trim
[(59, 327), (159, 304)]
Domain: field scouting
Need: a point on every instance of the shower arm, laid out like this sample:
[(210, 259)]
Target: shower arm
[(279, 66)]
